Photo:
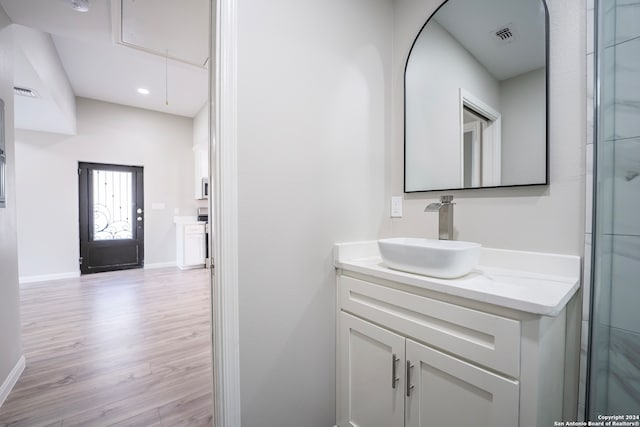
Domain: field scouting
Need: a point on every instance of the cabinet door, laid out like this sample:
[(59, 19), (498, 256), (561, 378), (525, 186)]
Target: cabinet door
[(194, 249), (445, 391), (369, 395)]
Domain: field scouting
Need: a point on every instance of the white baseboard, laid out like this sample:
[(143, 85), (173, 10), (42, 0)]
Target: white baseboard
[(74, 274), (192, 267), (47, 277), (12, 379), (159, 265)]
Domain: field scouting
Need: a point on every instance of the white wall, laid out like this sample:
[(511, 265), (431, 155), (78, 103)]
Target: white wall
[(438, 68), (38, 67), (320, 136), (522, 104), (10, 347), (544, 218), (47, 181), (313, 122)]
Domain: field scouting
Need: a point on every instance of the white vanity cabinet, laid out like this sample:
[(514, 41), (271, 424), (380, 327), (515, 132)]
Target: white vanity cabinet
[(372, 358), (444, 390), (416, 358), (389, 380)]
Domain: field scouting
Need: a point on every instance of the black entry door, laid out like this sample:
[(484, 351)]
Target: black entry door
[(111, 217)]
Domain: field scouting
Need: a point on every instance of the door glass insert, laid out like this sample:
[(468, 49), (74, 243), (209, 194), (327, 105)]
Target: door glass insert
[(112, 205)]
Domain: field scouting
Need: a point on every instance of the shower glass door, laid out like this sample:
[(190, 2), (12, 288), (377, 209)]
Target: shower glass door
[(614, 353)]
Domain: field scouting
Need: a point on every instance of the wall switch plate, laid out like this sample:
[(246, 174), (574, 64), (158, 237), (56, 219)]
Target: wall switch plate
[(396, 207)]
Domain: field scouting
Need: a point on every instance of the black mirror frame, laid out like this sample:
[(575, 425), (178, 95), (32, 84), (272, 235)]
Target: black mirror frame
[(404, 112)]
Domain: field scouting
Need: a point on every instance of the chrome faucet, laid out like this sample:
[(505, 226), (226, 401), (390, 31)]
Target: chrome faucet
[(445, 216)]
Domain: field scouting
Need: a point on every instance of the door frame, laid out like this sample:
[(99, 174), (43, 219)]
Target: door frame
[(84, 214), (223, 208), (491, 138), (475, 129)]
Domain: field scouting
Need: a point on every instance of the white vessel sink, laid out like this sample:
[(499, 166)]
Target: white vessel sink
[(446, 259)]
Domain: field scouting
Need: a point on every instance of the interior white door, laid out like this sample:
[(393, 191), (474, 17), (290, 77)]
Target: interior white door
[(371, 375), (445, 391)]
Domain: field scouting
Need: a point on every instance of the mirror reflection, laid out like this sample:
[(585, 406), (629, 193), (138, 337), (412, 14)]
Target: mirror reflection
[(476, 97)]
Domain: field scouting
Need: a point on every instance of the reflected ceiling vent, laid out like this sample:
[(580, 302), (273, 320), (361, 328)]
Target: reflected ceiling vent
[(504, 34), (23, 91)]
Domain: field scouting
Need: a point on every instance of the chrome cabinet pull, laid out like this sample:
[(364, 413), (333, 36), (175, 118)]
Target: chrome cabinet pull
[(394, 367), (409, 385)]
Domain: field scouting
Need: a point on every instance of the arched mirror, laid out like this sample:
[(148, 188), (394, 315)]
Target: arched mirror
[(476, 97)]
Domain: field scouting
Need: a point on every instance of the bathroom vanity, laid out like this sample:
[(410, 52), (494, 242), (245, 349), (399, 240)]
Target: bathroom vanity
[(483, 350)]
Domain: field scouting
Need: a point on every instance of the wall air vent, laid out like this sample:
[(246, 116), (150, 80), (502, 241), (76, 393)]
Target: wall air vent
[(504, 34), (23, 91), (79, 5)]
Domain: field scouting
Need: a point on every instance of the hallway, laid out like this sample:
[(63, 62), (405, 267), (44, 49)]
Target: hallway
[(122, 348)]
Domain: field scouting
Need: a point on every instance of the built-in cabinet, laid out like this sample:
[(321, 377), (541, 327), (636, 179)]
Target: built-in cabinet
[(201, 142), (395, 381), (190, 245), (371, 362), (415, 358), (443, 390), (201, 170)]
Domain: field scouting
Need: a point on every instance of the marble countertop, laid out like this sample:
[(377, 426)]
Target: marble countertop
[(532, 282)]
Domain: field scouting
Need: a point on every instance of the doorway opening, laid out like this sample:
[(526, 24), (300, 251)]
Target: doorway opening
[(170, 345), (480, 142), (473, 127)]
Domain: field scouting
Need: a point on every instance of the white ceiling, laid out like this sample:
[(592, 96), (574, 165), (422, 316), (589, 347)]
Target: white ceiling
[(100, 66), (178, 28), (473, 23)]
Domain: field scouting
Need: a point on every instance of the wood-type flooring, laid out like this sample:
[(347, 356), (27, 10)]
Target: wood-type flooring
[(127, 348)]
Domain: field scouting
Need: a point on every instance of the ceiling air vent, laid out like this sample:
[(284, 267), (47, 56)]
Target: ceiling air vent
[(23, 91), (504, 34)]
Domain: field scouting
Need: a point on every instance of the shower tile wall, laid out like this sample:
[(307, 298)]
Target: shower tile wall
[(615, 387)]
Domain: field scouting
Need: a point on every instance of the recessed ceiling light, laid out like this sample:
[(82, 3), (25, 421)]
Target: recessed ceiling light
[(79, 5), (143, 91)]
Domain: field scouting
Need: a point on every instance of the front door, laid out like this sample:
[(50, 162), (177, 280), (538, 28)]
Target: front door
[(111, 217)]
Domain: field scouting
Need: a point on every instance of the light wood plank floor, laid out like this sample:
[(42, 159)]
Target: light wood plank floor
[(128, 348)]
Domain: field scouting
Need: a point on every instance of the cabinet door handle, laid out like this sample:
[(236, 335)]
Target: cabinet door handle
[(394, 367), (409, 385)]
